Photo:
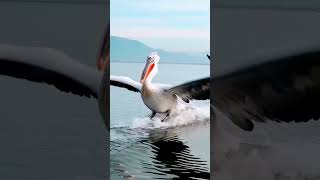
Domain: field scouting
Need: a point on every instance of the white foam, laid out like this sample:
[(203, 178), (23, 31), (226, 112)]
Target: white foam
[(185, 114)]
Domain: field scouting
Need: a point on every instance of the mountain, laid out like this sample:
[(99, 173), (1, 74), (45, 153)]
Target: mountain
[(127, 50)]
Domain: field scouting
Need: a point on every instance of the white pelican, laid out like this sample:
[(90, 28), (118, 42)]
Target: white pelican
[(51, 66), (161, 98)]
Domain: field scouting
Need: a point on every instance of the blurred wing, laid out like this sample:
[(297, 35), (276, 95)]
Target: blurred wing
[(194, 90), (125, 82), (284, 89), (49, 66)]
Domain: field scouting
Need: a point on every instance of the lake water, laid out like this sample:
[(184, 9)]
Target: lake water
[(48, 134), (141, 148)]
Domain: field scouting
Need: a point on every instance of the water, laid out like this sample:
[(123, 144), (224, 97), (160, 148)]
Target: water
[(145, 149), (48, 134)]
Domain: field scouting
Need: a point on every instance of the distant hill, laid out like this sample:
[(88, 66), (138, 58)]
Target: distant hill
[(127, 50)]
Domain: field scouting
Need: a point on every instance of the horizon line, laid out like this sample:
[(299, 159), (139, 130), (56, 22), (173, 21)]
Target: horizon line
[(172, 51)]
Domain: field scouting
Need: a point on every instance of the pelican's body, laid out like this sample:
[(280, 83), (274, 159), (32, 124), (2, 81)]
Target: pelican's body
[(160, 98), (153, 96), (157, 100)]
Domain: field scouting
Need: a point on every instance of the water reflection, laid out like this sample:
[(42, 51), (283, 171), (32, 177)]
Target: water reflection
[(161, 154), (175, 155)]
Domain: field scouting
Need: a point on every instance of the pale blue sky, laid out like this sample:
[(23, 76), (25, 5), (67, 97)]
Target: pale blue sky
[(174, 25)]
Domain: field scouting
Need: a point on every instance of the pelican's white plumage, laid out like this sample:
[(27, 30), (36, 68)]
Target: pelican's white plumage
[(162, 98), (125, 82), (131, 84)]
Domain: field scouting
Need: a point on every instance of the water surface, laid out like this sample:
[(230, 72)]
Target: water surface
[(146, 149)]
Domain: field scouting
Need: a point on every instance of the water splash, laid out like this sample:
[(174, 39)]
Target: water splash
[(185, 115)]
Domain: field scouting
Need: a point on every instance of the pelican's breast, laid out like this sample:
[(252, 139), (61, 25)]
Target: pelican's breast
[(146, 92), (155, 99)]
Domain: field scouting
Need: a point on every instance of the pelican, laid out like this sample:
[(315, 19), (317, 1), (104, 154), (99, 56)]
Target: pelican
[(161, 98), (54, 67)]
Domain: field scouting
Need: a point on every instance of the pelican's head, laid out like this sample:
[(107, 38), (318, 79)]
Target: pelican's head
[(151, 68)]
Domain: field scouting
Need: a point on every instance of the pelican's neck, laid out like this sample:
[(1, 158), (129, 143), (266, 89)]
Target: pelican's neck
[(147, 81)]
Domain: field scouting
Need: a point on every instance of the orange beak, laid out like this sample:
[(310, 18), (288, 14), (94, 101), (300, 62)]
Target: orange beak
[(146, 72)]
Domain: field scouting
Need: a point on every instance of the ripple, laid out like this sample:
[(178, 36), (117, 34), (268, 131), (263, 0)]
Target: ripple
[(158, 154)]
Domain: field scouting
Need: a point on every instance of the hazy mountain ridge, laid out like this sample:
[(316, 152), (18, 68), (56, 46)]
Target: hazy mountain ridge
[(127, 50)]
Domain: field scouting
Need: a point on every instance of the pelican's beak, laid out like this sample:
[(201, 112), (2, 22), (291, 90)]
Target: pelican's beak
[(146, 71)]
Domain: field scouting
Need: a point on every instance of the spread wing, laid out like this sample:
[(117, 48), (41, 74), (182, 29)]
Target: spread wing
[(50, 66), (125, 82), (282, 89), (194, 90)]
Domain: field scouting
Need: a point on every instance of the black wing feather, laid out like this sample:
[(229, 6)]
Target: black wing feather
[(39, 74), (123, 85), (198, 90), (284, 89)]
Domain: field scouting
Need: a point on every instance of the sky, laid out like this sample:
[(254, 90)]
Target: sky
[(173, 25)]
